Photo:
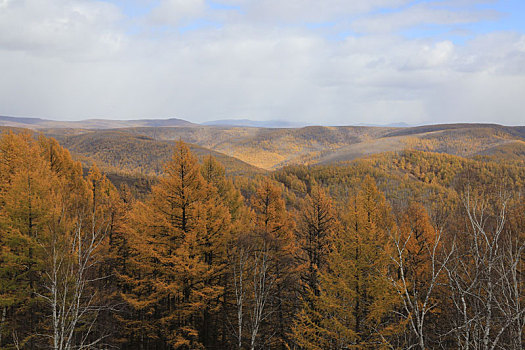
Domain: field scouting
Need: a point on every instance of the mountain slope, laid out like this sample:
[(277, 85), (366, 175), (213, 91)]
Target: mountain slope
[(118, 151), (268, 148), (274, 148), (271, 149), (513, 151)]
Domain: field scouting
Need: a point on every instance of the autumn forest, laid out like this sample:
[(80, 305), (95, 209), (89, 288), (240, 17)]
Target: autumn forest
[(262, 175), (408, 248)]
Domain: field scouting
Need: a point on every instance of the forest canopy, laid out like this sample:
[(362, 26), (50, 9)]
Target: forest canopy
[(399, 250)]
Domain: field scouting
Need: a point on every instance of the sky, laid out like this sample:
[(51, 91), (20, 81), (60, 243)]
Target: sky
[(329, 62)]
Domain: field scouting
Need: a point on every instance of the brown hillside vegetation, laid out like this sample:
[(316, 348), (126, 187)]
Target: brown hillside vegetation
[(118, 151), (463, 140), (274, 148), (513, 150), (426, 177), (130, 159), (267, 148), (248, 150)]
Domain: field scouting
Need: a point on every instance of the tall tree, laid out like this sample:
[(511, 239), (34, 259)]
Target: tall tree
[(316, 227), (46, 207), (177, 246), (25, 202), (355, 298), (273, 265), (421, 261), (74, 247)]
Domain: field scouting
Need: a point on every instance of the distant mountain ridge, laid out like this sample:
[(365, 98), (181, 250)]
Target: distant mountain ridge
[(41, 123), (97, 123), (391, 125), (255, 123)]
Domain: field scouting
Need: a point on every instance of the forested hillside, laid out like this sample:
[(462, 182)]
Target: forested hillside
[(407, 249), (272, 149), (142, 146), (119, 151)]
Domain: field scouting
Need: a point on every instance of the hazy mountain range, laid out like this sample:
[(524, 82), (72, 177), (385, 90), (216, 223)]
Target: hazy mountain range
[(40, 123), (255, 123)]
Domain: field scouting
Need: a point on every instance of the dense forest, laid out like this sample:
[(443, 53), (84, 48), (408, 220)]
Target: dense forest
[(401, 250)]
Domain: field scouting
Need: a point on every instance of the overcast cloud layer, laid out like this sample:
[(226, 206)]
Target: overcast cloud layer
[(311, 61)]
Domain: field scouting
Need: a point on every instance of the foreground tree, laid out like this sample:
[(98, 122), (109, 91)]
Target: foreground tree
[(263, 272), (273, 264), (355, 300), (420, 262), (24, 198), (485, 275), (317, 225), (73, 253), (178, 252), (52, 229)]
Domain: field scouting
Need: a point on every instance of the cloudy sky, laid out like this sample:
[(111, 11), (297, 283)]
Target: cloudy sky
[(310, 61)]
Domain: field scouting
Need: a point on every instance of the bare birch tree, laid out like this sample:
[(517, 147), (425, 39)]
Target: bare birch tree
[(2, 322), (484, 277), (262, 286), (254, 286), (240, 283), (70, 273), (417, 299)]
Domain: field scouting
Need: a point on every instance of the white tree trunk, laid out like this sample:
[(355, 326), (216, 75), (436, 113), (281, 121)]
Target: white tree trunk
[(417, 303), (72, 257), (262, 286), (485, 281), (2, 321)]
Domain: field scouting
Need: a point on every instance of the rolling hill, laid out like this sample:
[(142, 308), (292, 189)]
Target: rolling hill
[(274, 148), (118, 151), (248, 150), (265, 147)]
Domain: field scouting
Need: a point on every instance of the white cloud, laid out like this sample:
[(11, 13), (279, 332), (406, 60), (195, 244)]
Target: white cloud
[(76, 59), (176, 12), (313, 10), (481, 97), (422, 14), (66, 28)]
